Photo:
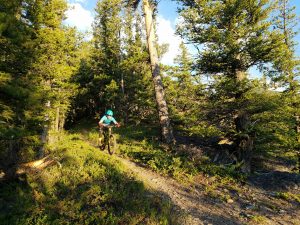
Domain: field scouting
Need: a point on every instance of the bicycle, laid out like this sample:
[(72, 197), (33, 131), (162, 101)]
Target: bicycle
[(106, 137)]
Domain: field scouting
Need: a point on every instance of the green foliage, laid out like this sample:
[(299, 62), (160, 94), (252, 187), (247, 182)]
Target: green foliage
[(107, 47), (288, 196), (17, 91), (257, 219), (186, 98), (235, 34), (90, 187), (115, 71), (231, 38), (140, 143), (137, 102), (287, 65), (38, 60), (48, 73)]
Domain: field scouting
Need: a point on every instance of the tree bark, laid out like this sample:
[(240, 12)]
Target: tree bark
[(44, 139), (57, 119), (62, 122), (244, 140), (166, 129), (297, 128)]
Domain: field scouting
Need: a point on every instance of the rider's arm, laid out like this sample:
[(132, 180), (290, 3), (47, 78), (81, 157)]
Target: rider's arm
[(115, 122), (101, 124)]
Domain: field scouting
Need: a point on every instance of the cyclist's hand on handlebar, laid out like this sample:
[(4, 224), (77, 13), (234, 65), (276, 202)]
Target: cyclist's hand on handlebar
[(118, 125)]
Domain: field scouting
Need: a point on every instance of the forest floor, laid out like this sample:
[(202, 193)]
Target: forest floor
[(271, 198), (145, 183), (250, 206)]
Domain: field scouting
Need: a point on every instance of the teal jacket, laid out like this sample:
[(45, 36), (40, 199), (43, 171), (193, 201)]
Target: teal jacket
[(106, 121)]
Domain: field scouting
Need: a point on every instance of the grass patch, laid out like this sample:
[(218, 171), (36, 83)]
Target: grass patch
[(146, 149), (141, 144), (258, 219), (159, 160), (288, 196), (90, 188)]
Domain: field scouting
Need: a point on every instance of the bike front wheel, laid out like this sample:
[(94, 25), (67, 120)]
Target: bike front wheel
[(101, 143), (112, 145)]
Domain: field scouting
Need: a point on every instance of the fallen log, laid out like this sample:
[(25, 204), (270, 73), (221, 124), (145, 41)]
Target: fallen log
[(28, 168)]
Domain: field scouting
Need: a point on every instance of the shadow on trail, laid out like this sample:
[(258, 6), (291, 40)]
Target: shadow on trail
[(275, 181)]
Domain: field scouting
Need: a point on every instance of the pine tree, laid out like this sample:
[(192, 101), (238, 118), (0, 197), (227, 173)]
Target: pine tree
[(54, 62), (232, 36), (182, 91), (16, 90), (288, 66), (107, 52), (16, 58), (138, 95), (38, 54)]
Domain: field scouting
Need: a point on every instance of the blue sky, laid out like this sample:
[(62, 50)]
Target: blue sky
[(82, 17)]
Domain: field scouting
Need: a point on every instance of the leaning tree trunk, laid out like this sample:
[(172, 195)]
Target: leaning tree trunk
[(167, 133)]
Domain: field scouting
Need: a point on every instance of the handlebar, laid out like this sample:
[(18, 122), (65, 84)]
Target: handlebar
[(110, 126)]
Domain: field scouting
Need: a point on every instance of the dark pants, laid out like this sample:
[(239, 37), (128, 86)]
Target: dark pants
[(104, 131)]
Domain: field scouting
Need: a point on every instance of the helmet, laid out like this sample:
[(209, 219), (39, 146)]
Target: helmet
[(109, 113)]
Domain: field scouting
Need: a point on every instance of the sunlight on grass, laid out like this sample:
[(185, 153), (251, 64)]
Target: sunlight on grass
[(91, 188)]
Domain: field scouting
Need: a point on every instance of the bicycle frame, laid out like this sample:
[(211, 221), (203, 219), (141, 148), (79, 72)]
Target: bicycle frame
[(109, 139)]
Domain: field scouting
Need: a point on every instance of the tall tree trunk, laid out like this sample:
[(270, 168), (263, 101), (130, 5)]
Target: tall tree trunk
[(45, 132), (297, 129), (62, 121), (57, 120), (44, 139), (167, 132), (293, 92), (244, 141)]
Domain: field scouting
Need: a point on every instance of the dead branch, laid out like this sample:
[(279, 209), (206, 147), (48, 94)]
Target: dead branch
[(29, 168)]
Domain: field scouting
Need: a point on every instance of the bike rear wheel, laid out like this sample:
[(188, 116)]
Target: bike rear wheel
[(112, 144)]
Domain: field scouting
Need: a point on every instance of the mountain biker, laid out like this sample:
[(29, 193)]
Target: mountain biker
[(104, 122)]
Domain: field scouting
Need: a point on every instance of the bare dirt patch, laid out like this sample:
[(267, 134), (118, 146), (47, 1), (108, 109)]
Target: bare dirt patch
[(251, 205)]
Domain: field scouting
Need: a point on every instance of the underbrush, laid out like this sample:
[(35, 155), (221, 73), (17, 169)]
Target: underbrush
[(178, 162), (90, 187), (141, 144)]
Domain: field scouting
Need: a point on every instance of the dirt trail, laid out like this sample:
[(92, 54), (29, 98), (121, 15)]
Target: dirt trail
[(200, 209), (192, 202)]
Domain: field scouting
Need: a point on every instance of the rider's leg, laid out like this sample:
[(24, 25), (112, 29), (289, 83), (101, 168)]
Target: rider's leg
[(101, 139), (105, 137), (105, 134)]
